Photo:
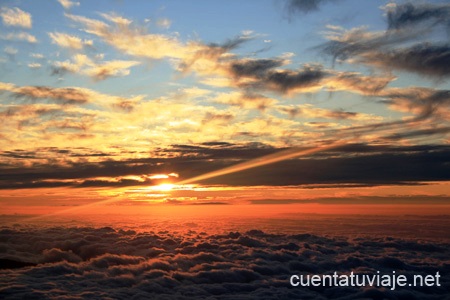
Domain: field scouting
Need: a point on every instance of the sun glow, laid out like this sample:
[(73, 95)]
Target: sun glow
[(164, 187)]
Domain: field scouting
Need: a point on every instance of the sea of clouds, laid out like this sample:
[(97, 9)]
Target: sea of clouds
[(73, 262)]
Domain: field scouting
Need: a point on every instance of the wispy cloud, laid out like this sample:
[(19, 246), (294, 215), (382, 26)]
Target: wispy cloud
[(82, 64), (69, 41), (411, 14), (19, 36), (66, 95), (406, 48), (308, 111)]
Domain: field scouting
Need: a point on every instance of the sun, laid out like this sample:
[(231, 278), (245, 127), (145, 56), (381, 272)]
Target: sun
[(164, 187)]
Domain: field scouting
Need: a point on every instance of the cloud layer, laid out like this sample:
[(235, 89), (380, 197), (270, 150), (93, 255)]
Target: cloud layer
[(104, 262)]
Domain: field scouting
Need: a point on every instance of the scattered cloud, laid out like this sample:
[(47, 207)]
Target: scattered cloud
[(15, 17), (67, 4), (135, 41), (19, 36), (82, 64), (37, 55), (248, 100), (10, 50), (69, 41), (34, 65), (164, 23)]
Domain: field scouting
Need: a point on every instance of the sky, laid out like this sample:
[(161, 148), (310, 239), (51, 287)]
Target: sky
[(312, 106)]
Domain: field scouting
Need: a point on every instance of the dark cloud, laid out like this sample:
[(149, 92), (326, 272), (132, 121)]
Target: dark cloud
[(353, 164), (426, 59), (125, 105), (219, 118), (376, 168), (73, 262), (423, 102), (394, 199), (420, 132), (283, 81), (254, 67), (308, 112), (354, 42), (266, 74), (63, 95), (404, 15), (305, 6), (387, 50)]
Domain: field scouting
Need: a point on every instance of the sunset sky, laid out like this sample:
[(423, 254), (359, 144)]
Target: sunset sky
[(320, 106)]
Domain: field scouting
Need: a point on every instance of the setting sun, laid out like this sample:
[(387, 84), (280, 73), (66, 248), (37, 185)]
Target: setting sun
[(165, 187)]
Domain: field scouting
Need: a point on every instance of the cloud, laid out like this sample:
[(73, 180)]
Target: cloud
[(37, 55), (19, 36), (308, 111), (353, 164), (362, 200), (10, 51), (15, 17), (246, 100), (254, 67), (136, 41), (305, 6), (69, 41), (306, 79), (132, 41), (387, 50), (164, 23), (427, 59), (420, 132), (345, 44), (219, 67), (66, 95), (242, 264), (358, 83), (82, 64), (222, 118), (267, 75), (34, 65), (423, 102), (408, 14), (67, 4)]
